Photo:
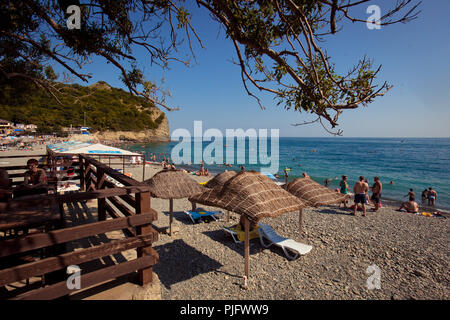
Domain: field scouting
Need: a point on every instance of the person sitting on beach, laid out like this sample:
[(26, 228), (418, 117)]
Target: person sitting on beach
[(411, 206), (432, 196), (35, 181), (360, 190), (411, 194), (376, 192), (424, 195), (35, 177), (305, 175)]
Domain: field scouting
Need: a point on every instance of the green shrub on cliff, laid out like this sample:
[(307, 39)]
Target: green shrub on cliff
[(103, 108)]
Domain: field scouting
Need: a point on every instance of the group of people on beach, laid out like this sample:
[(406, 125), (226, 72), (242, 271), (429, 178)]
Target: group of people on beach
[(361, 191), (361, 196)]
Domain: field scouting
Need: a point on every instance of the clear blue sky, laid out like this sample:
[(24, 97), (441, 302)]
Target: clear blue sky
[(414, 58)]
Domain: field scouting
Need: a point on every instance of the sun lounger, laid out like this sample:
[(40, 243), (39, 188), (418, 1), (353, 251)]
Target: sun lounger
[(292, 249), (196, 215)]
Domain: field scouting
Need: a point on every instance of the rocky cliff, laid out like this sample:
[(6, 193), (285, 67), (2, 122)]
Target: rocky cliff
[(161, 134)]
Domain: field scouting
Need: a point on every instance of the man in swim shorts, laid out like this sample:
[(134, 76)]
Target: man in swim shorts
[(376, 193), (360, 190), (432, 196)]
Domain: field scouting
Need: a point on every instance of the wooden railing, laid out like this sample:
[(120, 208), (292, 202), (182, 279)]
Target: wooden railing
[(129, 206)]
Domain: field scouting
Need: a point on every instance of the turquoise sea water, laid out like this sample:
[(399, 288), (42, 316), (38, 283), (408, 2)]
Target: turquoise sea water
[(408, 162)]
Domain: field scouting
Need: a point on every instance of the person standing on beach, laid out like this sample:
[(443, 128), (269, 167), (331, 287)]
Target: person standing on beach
[(376, 192), (424, 195), (432, 196), (327, 182), (412, 195), (286, 175), (360, 190), (344, 188)]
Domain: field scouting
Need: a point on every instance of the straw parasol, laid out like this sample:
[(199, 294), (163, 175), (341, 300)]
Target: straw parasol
[(254, 196), (220, 179), (312, 193), (173, 184)]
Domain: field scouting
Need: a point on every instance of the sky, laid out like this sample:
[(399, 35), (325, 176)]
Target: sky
[(414, 58)]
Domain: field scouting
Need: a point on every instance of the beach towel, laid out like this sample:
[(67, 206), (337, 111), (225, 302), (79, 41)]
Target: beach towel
[(241, 233), (427, 214)]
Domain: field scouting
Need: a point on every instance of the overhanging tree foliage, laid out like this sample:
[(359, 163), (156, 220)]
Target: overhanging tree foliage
[(277, 44)]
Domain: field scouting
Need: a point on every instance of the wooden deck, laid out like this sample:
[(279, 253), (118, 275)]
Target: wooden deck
[(106, 231)]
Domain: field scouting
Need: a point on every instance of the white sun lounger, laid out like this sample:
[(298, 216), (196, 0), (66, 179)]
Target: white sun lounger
[(288, 245)]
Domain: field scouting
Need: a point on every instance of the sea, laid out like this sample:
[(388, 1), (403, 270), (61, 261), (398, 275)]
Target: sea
[(401, 163)]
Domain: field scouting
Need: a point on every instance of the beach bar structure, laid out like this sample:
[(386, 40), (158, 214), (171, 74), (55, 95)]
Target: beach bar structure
[(36, 240), (96, 150)]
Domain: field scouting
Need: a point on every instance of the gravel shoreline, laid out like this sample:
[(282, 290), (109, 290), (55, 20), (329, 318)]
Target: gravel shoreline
[(201, 261)]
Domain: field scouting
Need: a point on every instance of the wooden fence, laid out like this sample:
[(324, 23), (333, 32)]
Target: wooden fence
[(129, 208)]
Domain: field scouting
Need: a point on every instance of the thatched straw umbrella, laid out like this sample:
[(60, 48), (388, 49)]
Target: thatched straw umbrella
[(173, 184), (313, 193), (254, 196), (220, 179)]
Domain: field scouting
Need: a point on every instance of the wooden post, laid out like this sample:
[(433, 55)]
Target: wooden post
[(81, 165), (101, 202), (171, 216), (300, 218), (145, 276), (143, 167), (123, 164), (194, 206), (228, 216), (247, 247)]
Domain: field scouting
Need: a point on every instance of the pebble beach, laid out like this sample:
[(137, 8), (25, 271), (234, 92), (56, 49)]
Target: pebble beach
[(201, 261)]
